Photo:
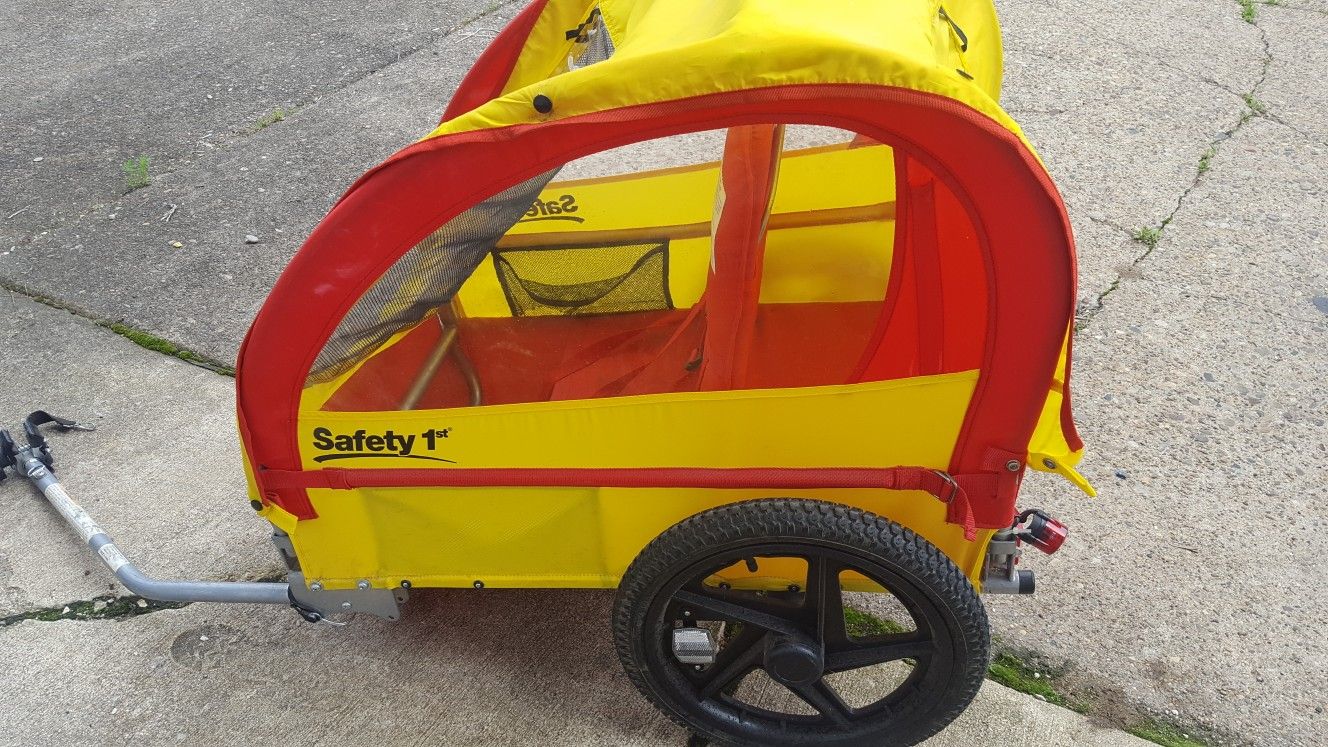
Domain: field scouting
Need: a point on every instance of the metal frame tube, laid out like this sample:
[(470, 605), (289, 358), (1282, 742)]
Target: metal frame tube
[(447, 344), (447, 335), (128, 574)]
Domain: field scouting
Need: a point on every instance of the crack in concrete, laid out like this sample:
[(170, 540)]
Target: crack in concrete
[(141, 338), (1013, 112), (104, 607), (1147, 52), (1151, 236), (116, 607), (432, 38), (1103, 221), (1271, 117)]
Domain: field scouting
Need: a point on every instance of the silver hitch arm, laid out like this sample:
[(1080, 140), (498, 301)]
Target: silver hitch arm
[(33, 462), (129, 574)]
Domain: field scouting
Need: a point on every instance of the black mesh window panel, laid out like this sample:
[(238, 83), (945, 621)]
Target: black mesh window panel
[(585, 280), (424, 279)]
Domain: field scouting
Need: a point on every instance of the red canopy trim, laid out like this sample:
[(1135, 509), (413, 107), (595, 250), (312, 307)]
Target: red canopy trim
[(1021, 223)]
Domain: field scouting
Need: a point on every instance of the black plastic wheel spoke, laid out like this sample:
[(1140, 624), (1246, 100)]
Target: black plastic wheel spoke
[(826, 701), (737, 612), (739, 656), (879, 651), (826, 599)]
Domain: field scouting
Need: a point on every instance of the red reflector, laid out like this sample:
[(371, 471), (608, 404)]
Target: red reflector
[(1049, 536)]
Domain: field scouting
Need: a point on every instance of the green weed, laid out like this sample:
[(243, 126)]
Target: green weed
[(270, 119), (1016, 674), (165, 347), (1255, 105), (1148, 236), (100, 608), (1164, 734), (136, 171), (863, 624), (1206, 160)]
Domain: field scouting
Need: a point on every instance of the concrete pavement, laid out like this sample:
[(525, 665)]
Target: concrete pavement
[(188, 84), (1188, 587), (461, 667)]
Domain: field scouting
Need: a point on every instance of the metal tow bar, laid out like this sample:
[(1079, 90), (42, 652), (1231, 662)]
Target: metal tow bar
[(34, 462)]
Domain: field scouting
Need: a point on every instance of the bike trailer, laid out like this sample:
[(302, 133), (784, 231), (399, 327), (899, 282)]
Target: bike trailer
[(741, 307)]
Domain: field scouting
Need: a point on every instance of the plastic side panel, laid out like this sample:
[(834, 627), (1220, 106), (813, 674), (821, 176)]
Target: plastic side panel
[(584, 537), (1049, 436), (632, 518), (843, 263), (825, 178), (1050, 440), (545, 537)]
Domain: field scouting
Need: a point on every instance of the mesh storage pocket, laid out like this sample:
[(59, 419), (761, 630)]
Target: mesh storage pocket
[(574, 281)]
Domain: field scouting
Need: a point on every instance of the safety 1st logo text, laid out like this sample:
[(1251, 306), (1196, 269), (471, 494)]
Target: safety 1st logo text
[(362, 444)]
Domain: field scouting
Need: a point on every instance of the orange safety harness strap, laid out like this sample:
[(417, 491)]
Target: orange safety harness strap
[(749, 172), (614, 366), (636, 362), (951, 490)]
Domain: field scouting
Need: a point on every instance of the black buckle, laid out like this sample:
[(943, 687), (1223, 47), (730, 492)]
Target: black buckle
[(37, 447)]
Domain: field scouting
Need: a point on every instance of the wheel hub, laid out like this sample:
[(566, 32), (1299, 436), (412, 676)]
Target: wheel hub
[(794, 662)]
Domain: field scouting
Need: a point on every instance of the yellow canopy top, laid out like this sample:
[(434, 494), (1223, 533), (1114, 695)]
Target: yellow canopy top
[(665, 50)]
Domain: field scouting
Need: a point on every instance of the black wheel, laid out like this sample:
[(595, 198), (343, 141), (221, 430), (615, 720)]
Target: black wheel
[(790, 666)]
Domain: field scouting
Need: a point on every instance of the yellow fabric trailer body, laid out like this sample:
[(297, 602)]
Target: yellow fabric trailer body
[(585, 331)]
